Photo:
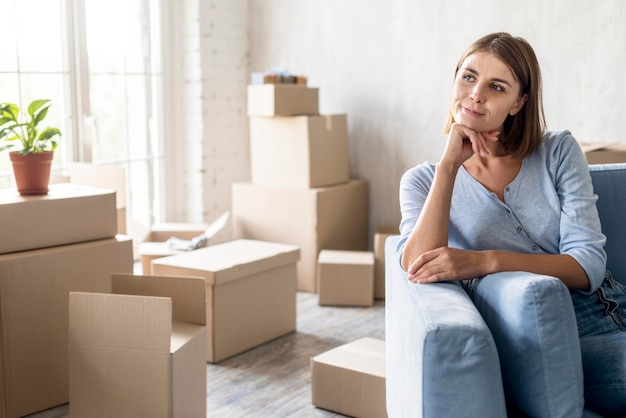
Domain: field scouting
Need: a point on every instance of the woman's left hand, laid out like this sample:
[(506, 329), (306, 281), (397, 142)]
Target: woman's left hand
[(447, 264)]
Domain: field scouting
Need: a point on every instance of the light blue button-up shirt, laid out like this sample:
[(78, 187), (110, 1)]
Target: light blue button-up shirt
[(549, 208)]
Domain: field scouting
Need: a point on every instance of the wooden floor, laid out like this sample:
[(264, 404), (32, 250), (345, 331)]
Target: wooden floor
[(274, 380)]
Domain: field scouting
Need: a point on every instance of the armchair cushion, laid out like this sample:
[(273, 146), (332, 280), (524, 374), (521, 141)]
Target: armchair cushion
[(532, 320)]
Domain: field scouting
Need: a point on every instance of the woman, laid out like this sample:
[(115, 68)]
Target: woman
[(508, 196)]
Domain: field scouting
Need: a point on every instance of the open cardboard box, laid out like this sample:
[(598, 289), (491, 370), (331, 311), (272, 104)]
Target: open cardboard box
[(139, 351), (155, 244)]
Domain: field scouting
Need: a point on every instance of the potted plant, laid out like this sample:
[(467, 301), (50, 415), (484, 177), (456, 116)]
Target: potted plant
[(31, 148)]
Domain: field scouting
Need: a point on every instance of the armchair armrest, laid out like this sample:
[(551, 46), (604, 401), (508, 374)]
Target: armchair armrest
[(441, 358)]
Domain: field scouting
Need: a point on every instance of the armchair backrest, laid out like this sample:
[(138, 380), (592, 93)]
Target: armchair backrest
[(609, 183)]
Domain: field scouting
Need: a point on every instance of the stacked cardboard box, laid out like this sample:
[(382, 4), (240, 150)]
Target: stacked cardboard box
[(604, 152), (300, 191), (140, 350), (51, 245)]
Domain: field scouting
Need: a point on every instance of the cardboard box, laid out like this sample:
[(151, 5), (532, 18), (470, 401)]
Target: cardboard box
[(334, 218), (345, 278), (282, 99), (106, 177), (154, 245), (250, 292), (604, 152), (140, 350), (380, 237), (69, 213), (34, 306), (350, 379), (299, 151)]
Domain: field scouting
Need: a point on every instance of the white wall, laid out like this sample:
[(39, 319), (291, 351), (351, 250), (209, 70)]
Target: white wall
[(388, 65)]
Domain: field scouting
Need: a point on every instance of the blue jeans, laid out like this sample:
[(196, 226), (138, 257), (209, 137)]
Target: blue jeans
[(601, 320)]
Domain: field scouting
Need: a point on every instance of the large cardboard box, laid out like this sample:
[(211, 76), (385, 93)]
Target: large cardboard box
[(381, 235), (250, 292), (299, 151), (350, 379), (34, 308), (106, 177), (155, 246), (604, 152), (69, 213), (345, 278), (333, 218), (282, 99), (139, 351)]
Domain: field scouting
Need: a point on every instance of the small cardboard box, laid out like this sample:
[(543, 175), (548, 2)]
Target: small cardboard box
[(140, 350), (334, 218), (350, 379), (282, 99), (154, 245), (250, 292), (34, 305), (68, 214), (380, 236), (345, 278), (299, 151), (604, 152)]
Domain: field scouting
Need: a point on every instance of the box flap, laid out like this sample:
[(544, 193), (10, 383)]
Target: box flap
[(366, 355), (120, 322), (186, 293), (233, 260), (119, 355)]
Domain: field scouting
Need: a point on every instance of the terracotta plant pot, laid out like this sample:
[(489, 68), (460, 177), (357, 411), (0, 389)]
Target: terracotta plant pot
[(32, 172)]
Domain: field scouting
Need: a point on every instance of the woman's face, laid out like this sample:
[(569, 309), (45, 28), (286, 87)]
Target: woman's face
[(485, 92)]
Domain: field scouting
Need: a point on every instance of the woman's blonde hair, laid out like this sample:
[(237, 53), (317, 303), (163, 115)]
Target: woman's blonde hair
[(523, 131)]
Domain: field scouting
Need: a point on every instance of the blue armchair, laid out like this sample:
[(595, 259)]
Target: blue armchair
[(518, 340)]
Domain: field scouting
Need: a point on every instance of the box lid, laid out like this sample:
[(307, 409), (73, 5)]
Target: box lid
[(346, 257), (232, 260), (365, 355)]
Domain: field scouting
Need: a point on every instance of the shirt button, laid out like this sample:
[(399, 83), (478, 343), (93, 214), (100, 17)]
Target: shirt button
[(507, 188), (534, 248), (519, 228)]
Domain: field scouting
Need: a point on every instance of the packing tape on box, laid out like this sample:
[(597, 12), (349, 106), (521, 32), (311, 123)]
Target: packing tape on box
[(329, 122)]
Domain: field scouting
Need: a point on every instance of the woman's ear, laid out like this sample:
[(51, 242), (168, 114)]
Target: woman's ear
[(518, 105)]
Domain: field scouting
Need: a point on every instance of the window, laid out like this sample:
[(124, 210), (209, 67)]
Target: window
[(100, 62)]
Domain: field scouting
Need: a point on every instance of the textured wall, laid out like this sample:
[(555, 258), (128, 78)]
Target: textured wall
[(388, 65)]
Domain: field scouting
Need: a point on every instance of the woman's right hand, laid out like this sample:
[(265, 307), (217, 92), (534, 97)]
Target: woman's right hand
[(463, 142)]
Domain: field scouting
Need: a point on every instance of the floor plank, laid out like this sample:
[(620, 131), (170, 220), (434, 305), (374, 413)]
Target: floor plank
[(274, 379)]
